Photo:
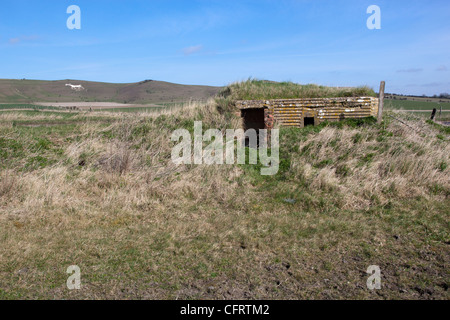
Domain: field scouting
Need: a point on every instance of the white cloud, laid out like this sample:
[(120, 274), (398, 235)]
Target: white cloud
[(23, 38), (411, 70), (191, 50), (14, 40)]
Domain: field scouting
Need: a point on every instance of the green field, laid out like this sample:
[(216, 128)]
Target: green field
[(415, 105), (29, 107), (165, 106), (25, 106)]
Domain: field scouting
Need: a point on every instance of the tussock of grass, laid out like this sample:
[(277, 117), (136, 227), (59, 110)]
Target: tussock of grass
[(262, 90)]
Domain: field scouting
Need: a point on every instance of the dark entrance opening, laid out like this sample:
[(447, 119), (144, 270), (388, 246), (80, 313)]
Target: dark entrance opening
[(253, 119), (309, 121)]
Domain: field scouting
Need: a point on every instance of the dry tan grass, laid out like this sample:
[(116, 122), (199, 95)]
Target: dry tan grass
[(405, 171), (8, 183), (14, 116)]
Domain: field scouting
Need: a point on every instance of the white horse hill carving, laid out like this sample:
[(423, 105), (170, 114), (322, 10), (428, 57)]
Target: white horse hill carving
[(75, 87)]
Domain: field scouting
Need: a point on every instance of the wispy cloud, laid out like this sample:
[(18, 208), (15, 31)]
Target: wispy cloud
[(442, 68), (17, 40), (14, 40), (191, 50), (411, 70), (427, 85), (432, 84)]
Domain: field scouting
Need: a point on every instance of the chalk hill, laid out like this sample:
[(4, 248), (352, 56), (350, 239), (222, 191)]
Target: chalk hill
[(144, 92)]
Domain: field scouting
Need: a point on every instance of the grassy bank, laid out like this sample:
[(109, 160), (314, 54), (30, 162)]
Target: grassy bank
[(253, 89)]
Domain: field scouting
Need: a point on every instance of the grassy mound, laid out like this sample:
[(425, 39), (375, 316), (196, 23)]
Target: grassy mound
[(264, 90)]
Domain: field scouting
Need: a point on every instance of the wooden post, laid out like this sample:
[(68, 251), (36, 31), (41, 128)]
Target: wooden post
[(433, 114), (381, 104)]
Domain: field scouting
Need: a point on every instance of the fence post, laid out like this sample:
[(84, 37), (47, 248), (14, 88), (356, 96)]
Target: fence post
[(381, 102), (433, 114)]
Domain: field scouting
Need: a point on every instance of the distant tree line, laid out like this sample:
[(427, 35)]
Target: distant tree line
[(442, 96)]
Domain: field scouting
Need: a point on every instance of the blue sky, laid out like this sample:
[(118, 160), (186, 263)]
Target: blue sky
[(217, 42)]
